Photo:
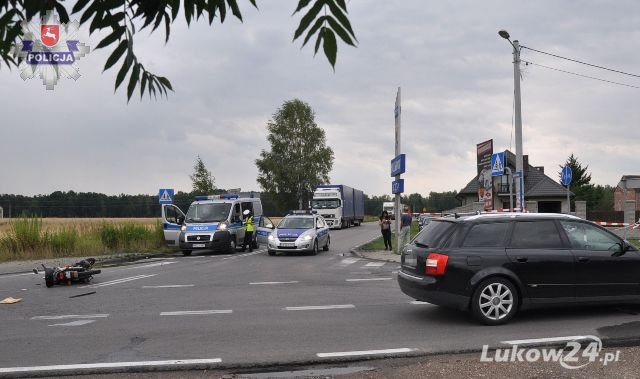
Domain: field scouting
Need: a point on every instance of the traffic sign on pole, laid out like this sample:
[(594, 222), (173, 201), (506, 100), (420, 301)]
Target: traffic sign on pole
[(567, 175)]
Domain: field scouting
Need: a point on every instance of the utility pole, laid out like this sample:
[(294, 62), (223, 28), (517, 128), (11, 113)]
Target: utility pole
[(518, 120)]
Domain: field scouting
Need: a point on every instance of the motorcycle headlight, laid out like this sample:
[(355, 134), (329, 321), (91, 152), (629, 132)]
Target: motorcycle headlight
[(307, 238), (223, 226)]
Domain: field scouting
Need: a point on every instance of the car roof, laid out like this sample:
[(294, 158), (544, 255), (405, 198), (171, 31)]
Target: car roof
[(502, 216)]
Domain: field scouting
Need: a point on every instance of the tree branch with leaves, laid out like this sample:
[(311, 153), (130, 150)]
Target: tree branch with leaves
[(324, 19)]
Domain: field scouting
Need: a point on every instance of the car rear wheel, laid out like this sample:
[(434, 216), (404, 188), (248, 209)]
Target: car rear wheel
[(326, 246), (495, 301)]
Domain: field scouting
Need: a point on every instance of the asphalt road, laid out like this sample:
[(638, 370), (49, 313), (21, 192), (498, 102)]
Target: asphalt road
[(250, 311)]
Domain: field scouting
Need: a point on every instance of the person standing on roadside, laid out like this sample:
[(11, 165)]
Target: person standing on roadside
[(385, 229), (405, 227), (248, 233)]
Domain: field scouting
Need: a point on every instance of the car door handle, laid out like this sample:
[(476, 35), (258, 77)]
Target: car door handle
[(583, 259), (522, 259)]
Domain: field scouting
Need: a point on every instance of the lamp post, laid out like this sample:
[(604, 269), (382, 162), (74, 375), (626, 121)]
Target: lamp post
[(518, 120)]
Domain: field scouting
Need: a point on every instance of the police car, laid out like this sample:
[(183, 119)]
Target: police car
[(213, 222), (299, 231)]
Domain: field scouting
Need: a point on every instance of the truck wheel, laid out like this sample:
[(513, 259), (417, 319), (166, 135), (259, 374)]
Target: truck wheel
[(186, 253)]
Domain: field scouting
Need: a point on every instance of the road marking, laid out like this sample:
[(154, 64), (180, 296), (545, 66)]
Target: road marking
[(185, 313), (418, 302), (69, 316), (546, 340), (75, 323), (319, 307), (260, 283), (366, 279), (375, 264), (134, 266), (118, 281), (365, 352), (170, 286), (348, 261), (245, 255), (175, 362)]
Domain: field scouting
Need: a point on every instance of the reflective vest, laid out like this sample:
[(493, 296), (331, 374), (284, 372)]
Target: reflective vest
[(250, 224)]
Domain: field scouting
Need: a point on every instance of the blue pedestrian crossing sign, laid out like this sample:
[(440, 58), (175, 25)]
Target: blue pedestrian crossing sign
[(165, 195), (497, 164)]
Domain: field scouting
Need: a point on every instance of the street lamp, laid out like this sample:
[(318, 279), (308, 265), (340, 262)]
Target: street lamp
[(518, 120)]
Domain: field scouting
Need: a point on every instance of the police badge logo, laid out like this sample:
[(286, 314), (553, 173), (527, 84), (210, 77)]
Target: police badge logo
[(50, 50)]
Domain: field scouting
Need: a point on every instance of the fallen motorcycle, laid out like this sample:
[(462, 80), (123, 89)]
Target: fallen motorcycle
[(81, 272)]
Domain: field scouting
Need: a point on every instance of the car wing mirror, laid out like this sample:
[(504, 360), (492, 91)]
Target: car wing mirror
[(270, 226), (622, 249), (180, 220)]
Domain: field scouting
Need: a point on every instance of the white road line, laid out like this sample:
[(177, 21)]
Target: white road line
[(75, 323), (364, 352), (348, 261), (260, 283), (170, 286), (118, 281), (418, 302), (546, 340), (319, 307), (69, 316), (375, 264), (245, 255), (175, 362), (366, 279), (134, 266), (186, 313)]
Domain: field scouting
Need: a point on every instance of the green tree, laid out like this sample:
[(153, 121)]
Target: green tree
[(299, 159), (324, 19), (202, 180), (579, 175)]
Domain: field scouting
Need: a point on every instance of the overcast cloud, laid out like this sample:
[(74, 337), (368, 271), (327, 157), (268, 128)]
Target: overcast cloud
[(455, 72)]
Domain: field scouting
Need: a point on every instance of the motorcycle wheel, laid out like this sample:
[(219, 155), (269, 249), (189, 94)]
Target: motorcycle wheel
[(48, 277)]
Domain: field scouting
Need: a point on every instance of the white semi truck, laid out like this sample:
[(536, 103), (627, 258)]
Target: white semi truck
[(340, 205)]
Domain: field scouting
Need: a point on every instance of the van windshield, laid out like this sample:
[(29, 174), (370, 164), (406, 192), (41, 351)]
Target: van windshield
[(211, 212)]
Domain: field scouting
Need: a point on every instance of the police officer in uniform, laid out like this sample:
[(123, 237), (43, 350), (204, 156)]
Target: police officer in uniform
[(248, 232)]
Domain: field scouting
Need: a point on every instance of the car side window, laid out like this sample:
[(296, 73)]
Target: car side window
[(541, 234), (486, 235), (589, 237)]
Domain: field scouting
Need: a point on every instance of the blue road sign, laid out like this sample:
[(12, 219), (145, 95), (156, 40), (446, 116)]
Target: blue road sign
[(398, 165), (397, 186), (165, 196), (497, 164), (566, 175)]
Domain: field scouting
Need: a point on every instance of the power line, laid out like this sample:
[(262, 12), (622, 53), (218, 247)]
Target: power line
[(577, 61), (584, 76)]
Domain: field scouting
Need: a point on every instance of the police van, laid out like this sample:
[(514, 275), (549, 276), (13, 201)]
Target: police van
[(212, 222)]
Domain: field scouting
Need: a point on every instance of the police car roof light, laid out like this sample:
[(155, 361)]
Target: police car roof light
[(217, 197)]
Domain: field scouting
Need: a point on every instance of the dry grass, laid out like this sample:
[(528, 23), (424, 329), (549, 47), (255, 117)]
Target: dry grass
[(81, 225)]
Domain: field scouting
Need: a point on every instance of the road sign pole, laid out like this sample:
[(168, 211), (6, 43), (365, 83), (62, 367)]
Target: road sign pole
[(398, 212)]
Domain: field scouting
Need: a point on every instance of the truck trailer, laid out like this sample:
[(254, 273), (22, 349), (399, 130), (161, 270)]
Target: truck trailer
[(340, 205)]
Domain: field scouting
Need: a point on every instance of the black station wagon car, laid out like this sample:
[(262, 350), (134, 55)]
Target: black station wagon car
[(494, 265)]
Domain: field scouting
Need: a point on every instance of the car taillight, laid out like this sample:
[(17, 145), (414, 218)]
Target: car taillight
[(436, 264)]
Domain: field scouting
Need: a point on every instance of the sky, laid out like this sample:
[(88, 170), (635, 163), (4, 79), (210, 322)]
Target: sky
[(455, 72)]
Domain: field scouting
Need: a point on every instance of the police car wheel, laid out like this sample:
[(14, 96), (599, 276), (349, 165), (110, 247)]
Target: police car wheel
[(315, 248), (186, 252), (326, 247)]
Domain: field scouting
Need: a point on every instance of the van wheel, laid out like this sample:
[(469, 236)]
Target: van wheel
[(326, 247), (232, 245), (186, 253), (495, 301)]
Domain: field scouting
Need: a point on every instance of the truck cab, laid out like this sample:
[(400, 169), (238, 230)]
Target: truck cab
[(212, 222)]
